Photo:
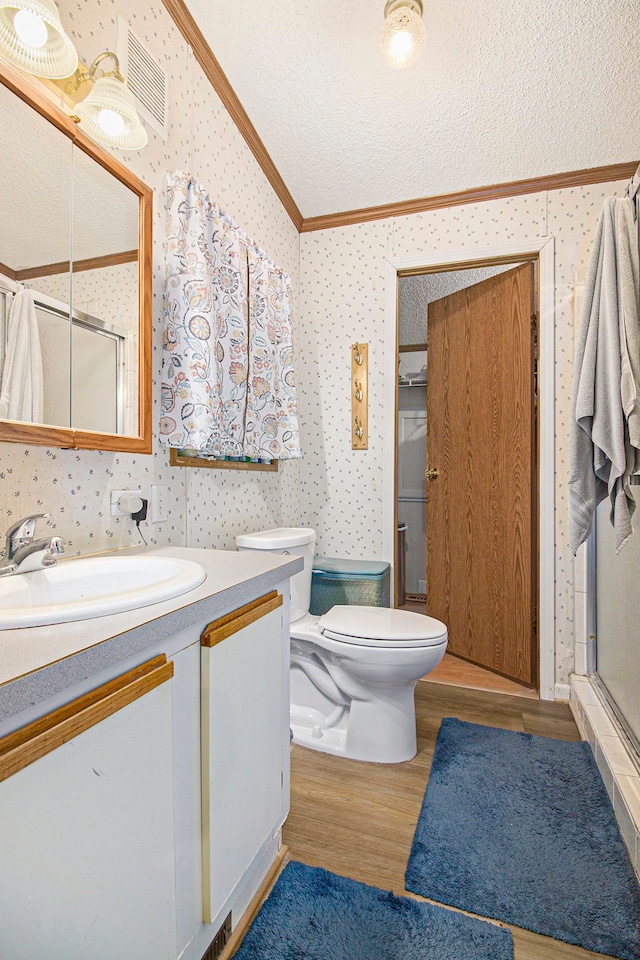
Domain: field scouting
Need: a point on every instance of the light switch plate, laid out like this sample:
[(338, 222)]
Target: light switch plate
[(159, 507)]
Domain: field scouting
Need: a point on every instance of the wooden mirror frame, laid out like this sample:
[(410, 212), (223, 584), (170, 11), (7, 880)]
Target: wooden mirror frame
[(68, 437)]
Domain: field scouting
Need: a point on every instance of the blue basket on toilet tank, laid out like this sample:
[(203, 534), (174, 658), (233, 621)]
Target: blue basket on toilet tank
[(364, 583)]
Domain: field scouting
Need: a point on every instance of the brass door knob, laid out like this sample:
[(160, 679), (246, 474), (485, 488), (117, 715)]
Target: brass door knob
[(431, 474)]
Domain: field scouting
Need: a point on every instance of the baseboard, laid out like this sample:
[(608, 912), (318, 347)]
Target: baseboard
[(244, 901), (562, 691), (251, 912)]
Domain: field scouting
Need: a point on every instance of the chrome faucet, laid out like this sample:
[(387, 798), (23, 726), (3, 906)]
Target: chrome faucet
[(22, 553)]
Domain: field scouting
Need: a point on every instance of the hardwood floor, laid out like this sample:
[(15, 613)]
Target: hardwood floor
[(460, 673), (358, 819)]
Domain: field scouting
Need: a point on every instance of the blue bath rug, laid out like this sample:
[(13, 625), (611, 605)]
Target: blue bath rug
[(520, 828), (312, 914)]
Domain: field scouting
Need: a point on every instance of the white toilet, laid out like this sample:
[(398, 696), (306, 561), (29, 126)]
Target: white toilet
[(353, 670)]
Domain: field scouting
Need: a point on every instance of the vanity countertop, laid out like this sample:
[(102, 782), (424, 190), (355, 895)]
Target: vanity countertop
[(36, 662)]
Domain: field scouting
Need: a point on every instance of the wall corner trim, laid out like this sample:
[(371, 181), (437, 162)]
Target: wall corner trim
[(216, 76)]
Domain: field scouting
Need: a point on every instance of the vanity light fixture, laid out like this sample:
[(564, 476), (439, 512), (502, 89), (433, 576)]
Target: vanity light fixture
[(403, 35), (32, 38), (108, 113)]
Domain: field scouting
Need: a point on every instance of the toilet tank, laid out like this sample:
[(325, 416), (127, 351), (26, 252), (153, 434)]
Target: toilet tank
[(293, 541)]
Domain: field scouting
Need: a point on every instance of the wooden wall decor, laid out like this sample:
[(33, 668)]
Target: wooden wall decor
[(360, 396)]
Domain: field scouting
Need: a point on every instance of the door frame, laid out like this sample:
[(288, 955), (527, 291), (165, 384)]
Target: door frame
[(540, 250)]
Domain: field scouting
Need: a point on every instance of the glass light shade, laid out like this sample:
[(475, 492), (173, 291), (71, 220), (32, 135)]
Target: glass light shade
[(31, 28), (108, 114), (111, 122), (32, 38), (403, 37)]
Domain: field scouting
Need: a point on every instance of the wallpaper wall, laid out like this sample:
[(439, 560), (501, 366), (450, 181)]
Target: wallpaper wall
[(74, 485), (342, 300), (339, 275)]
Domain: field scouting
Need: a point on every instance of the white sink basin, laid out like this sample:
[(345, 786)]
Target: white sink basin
[(93, 587)]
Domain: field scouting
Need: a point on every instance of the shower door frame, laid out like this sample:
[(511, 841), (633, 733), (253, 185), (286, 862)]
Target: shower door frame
[(540, 250), (586, 613), (76, 318)]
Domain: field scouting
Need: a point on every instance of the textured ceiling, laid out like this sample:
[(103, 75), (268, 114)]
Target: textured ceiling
[(416, 293), (506, 90)]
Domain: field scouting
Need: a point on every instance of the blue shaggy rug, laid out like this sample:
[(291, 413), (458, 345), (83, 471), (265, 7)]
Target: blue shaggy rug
[(312, 914), (520, 828)]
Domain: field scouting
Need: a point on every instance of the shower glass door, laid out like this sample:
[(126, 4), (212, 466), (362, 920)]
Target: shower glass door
[(618, 622)]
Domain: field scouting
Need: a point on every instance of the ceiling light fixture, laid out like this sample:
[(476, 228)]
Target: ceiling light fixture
[(32, 38), (108, 113), (403, 35)]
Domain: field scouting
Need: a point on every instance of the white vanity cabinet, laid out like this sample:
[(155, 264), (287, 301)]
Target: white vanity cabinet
[(144, 770), (87, 826), (245, 745)]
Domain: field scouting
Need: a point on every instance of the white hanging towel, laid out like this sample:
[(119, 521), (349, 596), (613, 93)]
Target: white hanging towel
[(21, 395), (601, 454), (629, 302)]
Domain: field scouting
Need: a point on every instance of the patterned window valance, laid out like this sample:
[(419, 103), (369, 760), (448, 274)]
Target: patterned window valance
[(228, 385)]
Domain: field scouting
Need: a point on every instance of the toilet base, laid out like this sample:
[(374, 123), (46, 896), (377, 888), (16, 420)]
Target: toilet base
[(310, 729), (381, 732)]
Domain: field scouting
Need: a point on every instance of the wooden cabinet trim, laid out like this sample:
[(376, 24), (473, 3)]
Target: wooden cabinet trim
[(36, 739), (219, 630), (251, 912)]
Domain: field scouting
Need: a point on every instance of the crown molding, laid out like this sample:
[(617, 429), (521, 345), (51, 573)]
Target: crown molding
[(556, 181), (64, 266), (220, 83)]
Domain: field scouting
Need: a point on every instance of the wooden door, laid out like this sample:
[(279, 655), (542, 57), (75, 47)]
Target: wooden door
[(481, 440)]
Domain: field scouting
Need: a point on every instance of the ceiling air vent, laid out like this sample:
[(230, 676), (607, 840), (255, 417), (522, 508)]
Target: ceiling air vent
[(146, 79)]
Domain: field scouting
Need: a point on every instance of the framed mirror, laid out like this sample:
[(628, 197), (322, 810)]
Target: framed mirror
[(75, 284)]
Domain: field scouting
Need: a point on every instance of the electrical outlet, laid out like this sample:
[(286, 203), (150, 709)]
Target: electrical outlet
[(115, 496), (159, 507)]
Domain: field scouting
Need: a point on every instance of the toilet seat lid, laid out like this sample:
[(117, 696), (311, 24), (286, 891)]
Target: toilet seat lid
[(381, 626)]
